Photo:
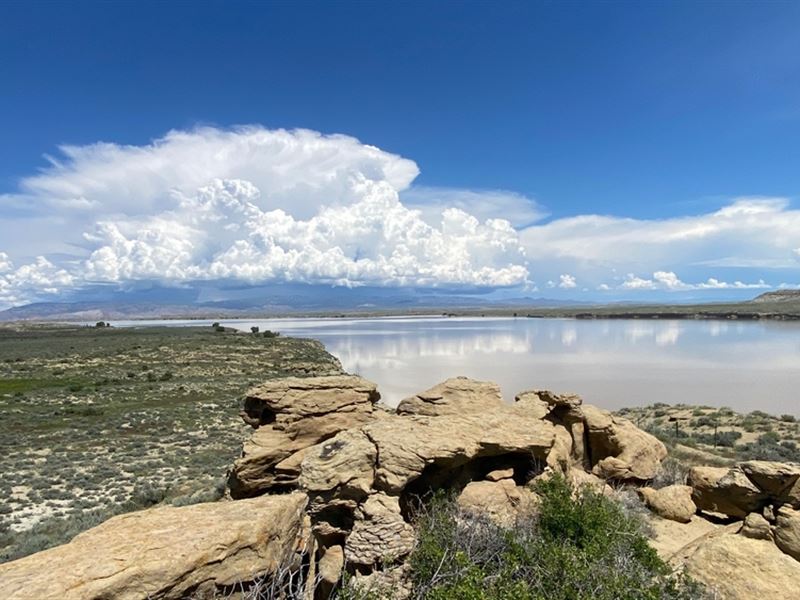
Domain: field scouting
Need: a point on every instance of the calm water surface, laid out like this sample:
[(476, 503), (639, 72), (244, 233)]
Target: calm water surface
[(616, 363)]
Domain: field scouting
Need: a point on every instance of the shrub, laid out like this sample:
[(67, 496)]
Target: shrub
[(254, 330), (271, 334), (581, 545), (788, 418)]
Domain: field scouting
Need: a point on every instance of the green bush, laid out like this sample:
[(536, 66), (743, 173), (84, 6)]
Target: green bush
[(581, 545)]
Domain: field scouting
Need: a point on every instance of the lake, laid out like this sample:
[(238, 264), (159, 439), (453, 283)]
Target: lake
[(611, 363)]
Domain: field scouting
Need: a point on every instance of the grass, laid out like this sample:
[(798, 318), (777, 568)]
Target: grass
[(97, 421)]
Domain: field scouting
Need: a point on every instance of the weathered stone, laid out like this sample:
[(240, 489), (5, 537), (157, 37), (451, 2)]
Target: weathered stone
[(726, 491), (757, 527), (296, 413), (501, 501), (380, 534), (774, 478), (500, 474), (668, 537), (330, 568), (454, 396), (618, 449), (673, 502), (787, 531), (164, 553), (552, 399), (296, 404), (739, 568), (581, 479), (407, 445)]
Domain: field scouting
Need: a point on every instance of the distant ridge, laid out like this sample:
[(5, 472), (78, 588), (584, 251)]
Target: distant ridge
[(779, 296)]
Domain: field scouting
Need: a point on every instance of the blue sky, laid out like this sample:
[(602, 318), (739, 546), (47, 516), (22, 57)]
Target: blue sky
[(638, 150)]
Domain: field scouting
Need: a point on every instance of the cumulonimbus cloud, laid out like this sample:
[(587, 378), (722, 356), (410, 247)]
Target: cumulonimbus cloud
[(256, 206)]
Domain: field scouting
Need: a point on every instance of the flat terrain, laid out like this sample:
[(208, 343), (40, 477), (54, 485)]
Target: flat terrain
[(97, 421), (706, 435)]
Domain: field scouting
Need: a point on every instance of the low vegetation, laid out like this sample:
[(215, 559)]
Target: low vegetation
[(95, 421), (719, 435), (578, 545)]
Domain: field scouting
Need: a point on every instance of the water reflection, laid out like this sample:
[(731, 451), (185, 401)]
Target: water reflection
[(745, 365)]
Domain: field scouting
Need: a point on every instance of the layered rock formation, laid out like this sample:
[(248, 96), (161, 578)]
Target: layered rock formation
[(165, 553), (291, 415), (347, 473)]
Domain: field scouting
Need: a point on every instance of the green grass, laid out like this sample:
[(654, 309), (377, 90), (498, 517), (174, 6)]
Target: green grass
[(92, 414)]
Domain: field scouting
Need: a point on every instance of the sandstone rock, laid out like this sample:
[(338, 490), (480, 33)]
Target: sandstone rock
[(618, 449), (294, 404), (774, 478), (296, 413), (726, 491), (501, 501), (552, 399), (668, 537), (407, 446), (757, 527), (380, 534), (163, 553), (500, 474), (454, 396), (740, 568), (330, 568), (673, 502), (787, 531), (579, 479)]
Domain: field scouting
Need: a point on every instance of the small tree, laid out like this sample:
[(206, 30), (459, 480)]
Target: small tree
[(254, 329)]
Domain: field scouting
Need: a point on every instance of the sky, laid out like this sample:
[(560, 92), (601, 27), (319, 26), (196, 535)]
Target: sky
[(595, 151)]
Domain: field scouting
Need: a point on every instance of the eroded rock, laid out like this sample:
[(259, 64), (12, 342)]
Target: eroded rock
[(673, 502), (454, 396), (726, 491), (757, 527), (787, 531), (736, 567), (164, 553), (294, 414), (617, 449), (501, 501)]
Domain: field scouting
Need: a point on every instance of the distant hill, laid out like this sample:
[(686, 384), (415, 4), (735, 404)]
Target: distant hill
[(779, 296), (275, 305)]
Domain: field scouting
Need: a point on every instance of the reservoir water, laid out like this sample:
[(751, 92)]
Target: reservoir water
[(611, 363)]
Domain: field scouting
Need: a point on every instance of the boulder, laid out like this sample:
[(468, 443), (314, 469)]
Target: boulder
[(293, 414), (787, 531), (454, 396), (501, 501), (780, 480), (757, 527), (380, 534), (329, 567), (579, 478), (619, 450), (437, 446), (673, 502), (668, 537), (726, 491), (164, 552), (500, 474), (736, 567)]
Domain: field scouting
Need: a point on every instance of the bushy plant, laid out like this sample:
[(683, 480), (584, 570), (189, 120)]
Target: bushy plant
[(579, 545)]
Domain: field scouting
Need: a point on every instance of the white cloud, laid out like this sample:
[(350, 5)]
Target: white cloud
[(748, 233), (483, 204), (567, 281), (669, 281), (221, 233), (5, 263), (303, 207)]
